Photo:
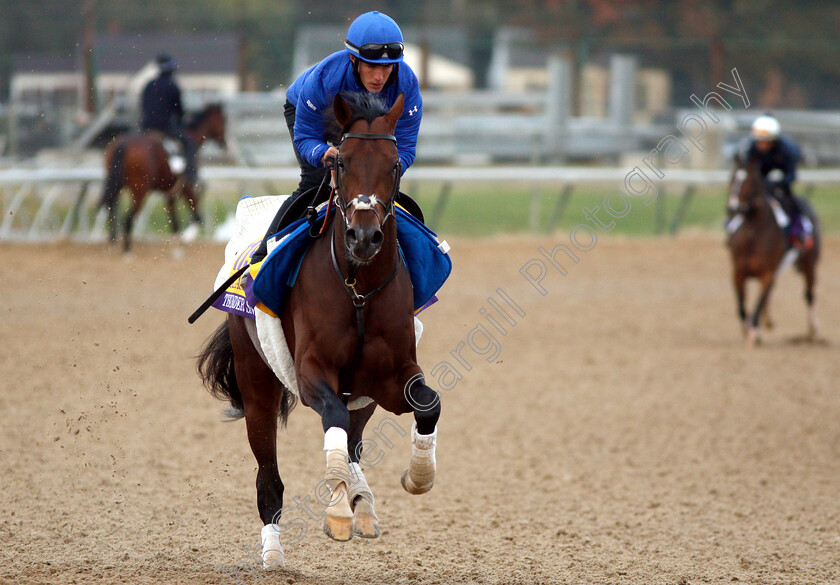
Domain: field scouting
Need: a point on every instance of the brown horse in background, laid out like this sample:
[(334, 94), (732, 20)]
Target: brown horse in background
[(349, 324), (140, 162), (759, 248)]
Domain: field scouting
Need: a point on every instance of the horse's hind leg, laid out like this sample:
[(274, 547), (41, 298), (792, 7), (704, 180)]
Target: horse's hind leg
[(741, 292), (173, 213), (420, 475), (133, 210), (262, 395), (810, 271), (366, 524), (111, 219)]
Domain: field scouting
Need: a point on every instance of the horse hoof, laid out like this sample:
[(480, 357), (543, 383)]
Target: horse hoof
[(273, 559), (338, 524), (366, 524), (752, 338), (411, 487), (340, 529)]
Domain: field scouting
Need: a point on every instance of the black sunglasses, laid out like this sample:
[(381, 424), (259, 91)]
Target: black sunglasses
[(375, 51)]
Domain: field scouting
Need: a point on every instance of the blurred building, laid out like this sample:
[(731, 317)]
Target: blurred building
[(207, 64)]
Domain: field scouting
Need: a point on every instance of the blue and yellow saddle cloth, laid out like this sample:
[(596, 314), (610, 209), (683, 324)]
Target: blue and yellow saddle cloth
[(264, 285)]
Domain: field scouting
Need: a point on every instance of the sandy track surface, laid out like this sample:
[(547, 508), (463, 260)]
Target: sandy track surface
[(623, 434)]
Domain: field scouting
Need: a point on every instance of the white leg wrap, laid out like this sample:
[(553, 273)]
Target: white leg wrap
[(335, 444), (272, 550), (420, 476), (359, 485), (335, 438)]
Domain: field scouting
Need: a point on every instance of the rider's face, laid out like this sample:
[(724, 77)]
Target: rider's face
[(763, 145), (374, 75)]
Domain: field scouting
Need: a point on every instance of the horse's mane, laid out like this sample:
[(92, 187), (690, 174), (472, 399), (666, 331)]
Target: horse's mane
[(199, 117), (363, 105)]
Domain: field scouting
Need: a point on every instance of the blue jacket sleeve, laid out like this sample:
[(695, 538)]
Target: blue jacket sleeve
[(409, 124), (313, 99)]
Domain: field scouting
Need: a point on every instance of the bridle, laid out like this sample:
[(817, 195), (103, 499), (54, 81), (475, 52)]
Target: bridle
[(362, 202)]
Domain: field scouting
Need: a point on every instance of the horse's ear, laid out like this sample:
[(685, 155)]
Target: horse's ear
[(342, 111), (395, 112)]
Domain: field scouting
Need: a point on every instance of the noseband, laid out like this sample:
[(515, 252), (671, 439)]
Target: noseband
[(367, 202)]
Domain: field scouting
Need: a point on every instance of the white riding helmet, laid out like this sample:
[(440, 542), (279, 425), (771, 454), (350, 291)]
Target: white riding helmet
[(766, 127)]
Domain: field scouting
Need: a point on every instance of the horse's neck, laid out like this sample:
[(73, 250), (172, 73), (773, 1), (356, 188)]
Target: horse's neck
[(372, 275)]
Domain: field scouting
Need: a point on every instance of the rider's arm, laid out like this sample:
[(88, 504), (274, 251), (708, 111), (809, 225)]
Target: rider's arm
[(313, 99), (409, 123), (792, 156), (177, 103)]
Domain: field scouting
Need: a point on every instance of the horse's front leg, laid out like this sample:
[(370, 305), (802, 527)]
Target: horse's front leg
[(335, 418), (420, 475), (767, 281), (192, 230), (366, 524)]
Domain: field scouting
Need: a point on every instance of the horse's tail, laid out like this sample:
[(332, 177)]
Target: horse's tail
[(216, 368), (114, 178)]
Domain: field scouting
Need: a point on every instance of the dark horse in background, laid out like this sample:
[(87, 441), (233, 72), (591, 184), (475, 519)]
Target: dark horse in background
[(140, 162), (349, 324), (759, 247)]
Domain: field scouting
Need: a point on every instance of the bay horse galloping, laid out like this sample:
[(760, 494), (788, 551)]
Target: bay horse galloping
[(140, 162), (759, 247), (349, 323)]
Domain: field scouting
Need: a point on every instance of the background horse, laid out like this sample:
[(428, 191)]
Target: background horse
[(349, 324), (140, 162), (759, 247)]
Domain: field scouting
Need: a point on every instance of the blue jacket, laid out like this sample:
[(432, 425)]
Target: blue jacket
[(784, 155), (161, 105), (313, 93)]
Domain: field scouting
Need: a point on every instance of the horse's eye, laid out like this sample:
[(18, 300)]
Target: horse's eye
[(339, 163)]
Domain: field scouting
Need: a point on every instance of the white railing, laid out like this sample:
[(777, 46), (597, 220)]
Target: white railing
[(38, 192)]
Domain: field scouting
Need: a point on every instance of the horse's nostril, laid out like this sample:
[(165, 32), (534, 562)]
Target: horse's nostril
[(351, 235), (377, 238)]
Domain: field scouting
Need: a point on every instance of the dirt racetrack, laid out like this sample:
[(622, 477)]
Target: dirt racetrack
[(623, 436)]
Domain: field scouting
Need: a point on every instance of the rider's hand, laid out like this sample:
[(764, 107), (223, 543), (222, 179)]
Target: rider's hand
[(329, 156)]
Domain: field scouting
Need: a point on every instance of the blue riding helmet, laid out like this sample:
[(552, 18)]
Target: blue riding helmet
[(375, 38)]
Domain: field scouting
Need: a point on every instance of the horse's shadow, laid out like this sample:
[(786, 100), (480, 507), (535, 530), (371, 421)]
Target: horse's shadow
[(807, 340)]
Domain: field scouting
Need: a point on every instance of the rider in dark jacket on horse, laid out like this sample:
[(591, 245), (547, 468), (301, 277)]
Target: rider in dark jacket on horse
[(372, 61), (162, 110), (776, 152)]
